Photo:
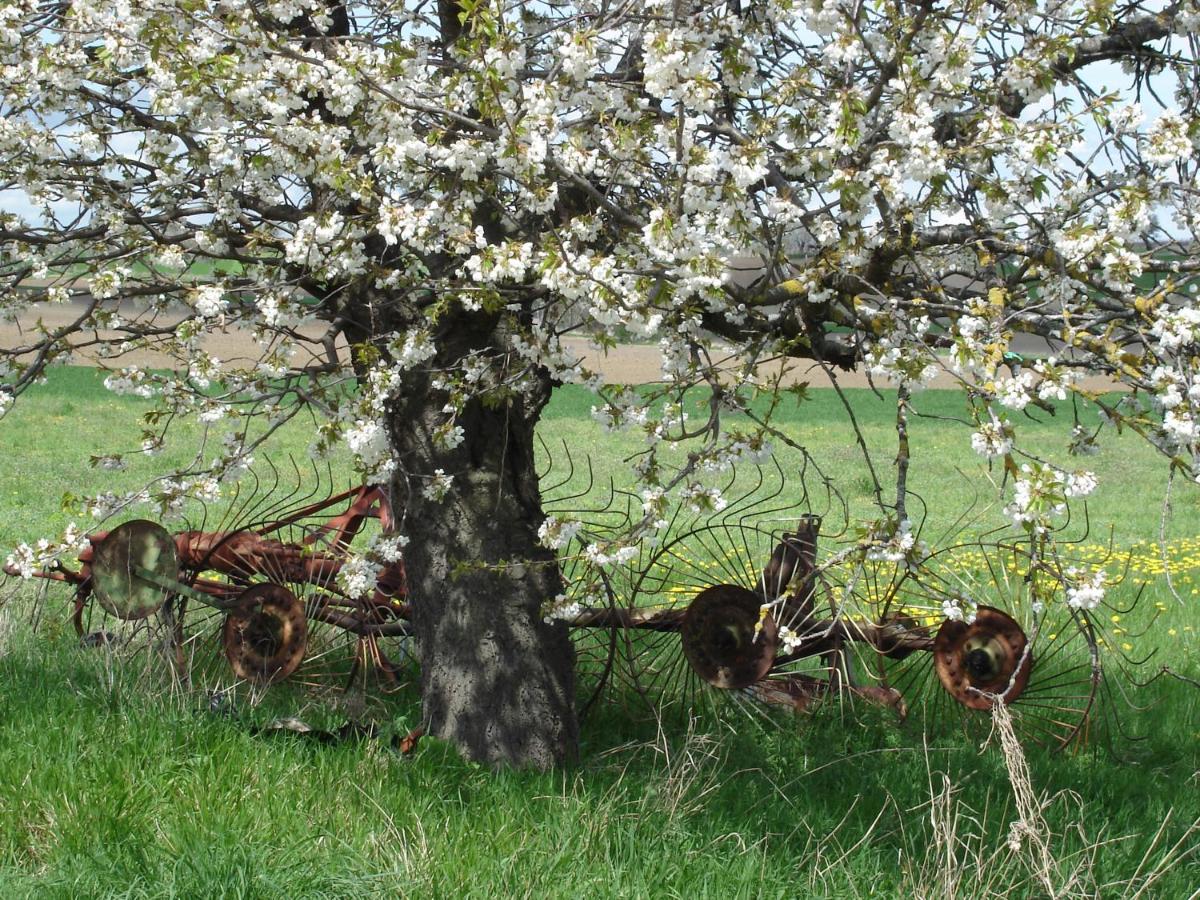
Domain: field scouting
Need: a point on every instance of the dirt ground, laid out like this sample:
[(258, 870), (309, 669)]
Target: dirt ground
[(624, 364)]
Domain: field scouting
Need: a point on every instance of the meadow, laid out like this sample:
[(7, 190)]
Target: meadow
[(115, 784)]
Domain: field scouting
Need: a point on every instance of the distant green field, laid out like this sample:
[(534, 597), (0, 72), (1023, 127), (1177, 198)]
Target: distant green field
[(53, 430), (113, 785)]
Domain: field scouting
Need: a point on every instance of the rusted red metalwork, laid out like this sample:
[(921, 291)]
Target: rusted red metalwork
[(243, 572), (730, 635), (794, 564), (725, 639), (245, 555), (265, 634), (800, 692), (983, 660)]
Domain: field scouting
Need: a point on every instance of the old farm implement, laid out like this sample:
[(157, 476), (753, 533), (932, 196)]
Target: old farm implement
[(735, 609), (265, 591)]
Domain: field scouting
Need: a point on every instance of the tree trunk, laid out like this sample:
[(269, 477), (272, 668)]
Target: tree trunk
[(497, 681)]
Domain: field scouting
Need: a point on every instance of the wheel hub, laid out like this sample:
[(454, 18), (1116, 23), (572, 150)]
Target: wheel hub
[(719, 640), (983, 660), (266, 634)]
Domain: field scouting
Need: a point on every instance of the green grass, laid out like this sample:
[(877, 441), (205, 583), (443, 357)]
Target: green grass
[(51, 433), (113, 784)]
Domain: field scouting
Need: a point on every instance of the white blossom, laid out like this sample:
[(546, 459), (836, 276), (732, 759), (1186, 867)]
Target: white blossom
[(209, 301), (557, 534), (1086, 590), (1168, 139), (438, 486), (561, 608), (993, 439)]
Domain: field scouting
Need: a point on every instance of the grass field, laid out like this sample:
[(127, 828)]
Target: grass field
[(112, 785)]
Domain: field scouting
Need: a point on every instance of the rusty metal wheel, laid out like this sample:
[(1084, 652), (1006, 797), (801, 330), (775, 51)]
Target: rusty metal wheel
[(1000, 628), (323, 640), (985, 661), (726, 640), (272, 630), (133, 568), (265, 634), (713, 610)]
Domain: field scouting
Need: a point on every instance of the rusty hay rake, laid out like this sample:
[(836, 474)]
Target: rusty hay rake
[(732, 610)]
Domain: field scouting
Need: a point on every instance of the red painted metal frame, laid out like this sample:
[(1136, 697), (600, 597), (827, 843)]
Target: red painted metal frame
[(247, 554)]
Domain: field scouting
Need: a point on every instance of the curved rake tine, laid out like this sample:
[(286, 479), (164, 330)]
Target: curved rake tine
[(254, 499), (550, 489)]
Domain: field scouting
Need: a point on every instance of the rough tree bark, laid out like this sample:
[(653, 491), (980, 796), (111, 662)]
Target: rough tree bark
[(497, 681)]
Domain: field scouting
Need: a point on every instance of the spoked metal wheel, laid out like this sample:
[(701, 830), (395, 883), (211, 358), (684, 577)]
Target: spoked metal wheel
[(734, 617), (125, 605), (693, 645), (1002, 631)]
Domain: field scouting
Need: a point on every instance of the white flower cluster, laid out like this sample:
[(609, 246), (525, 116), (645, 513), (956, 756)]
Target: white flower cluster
[(556, 534), (1080, 484), (448, 436), (1014, 392), (438, 486), (893, 542), (561, 608), (994, 438), (368, 441), (789, 640), (678, 66), (107, 283), (959, 609), (131, 381), (358, 575), (702, 499), (897, 352), (1086, 590), (388, 548), (327, 244), (754, 449), (1054, 380), (413, 349), (973, 335), (503, 262), (26, 560), (1042, 491), (209, 301), (578, 55), (1176, 329), (622, 411), (1168, 139), (613, 553)]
